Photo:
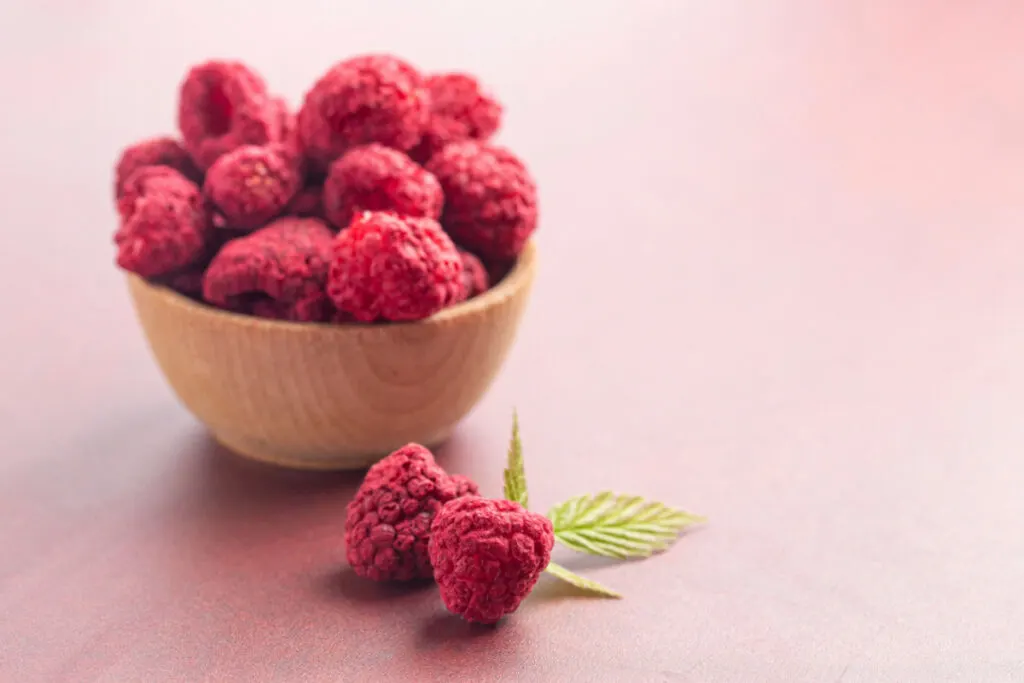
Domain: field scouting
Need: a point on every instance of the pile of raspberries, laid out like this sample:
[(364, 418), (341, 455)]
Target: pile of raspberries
[(412, 520), (380, 199)]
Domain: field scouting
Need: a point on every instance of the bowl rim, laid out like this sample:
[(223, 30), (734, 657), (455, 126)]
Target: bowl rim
[(511, 284)]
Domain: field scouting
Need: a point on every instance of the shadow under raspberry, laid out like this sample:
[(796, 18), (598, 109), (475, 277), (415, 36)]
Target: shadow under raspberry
[(347, 585)]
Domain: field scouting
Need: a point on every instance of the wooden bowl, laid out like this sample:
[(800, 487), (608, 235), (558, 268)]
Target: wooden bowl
[(328, 396)]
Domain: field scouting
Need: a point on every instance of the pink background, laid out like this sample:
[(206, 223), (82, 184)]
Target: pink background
[(781, 285)]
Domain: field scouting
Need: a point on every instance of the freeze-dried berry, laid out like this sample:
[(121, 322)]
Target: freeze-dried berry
[(315, 307), (378, 178), (188, 282), (308, 202), (394, 267), (474, 275), (370, 98), (289, 131), (387, 525), (460, 109), (164, 223), (490, 199), (250, 184), (464, 486), (161, 151), (223, 105), (498, 271), (341, 317), (285, 262), (150, 181), (487, 556)]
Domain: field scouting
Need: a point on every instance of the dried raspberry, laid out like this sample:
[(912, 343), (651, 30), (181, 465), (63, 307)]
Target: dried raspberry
[(498, 271), (464, 486), (250, 185), (164, 223), (487, 556), (162, 151), (285, 262), (370, 98), (341, 317), (474, 275), (308, 202), (289, 131), (152, 181), (313, 308), (378, 178), (394, 267), (387, 525), (188, 282), (223, 105), (460, 109), (490, 203)]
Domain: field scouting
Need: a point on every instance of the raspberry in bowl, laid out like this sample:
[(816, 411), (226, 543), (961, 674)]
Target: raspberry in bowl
[(324, 334)]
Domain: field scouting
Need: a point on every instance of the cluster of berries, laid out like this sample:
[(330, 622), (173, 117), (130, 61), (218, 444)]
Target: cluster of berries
[(381, 199), (412, 520)]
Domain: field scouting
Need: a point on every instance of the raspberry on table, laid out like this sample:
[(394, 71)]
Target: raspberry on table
[(391, 267), (487, 556), (387, 525), (250, 184), (223, 105), (460, 109), (377, 178), (159, 151), (490, 199), (364, 99), (277, 271), (475, 280), (164, 222)]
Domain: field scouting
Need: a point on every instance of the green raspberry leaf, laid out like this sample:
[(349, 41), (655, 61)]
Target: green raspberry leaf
[(584, 584), (515, 474), (617, 525)]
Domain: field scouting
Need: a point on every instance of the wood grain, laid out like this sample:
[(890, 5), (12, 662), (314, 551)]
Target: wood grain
[(317, 396)]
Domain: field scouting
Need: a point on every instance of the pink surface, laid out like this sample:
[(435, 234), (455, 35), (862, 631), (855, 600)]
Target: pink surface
[(781, 285)]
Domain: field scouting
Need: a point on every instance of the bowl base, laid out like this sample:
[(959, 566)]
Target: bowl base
[(324, 462)]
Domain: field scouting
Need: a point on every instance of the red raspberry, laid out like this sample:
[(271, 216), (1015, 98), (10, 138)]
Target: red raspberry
[(164, 223), (277, 271), (188, 282), (394, 267), (308, 202), (162, 151), (487, 556), (370, 98), (313, 308), (153, 181), (378, 178), (223, 105), (474, 276), (490, 199), (289, 135), (250, 185), (498, 270), (464, 486), (387, 525), (460, 109)]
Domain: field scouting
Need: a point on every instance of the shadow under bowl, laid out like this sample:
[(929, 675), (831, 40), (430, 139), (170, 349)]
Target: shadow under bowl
[(331, 396)]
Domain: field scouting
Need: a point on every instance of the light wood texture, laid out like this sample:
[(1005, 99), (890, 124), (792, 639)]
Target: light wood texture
[(317, 396)]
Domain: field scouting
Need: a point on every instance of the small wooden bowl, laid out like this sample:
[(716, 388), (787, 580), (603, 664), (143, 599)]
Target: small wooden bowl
[(326, 396)]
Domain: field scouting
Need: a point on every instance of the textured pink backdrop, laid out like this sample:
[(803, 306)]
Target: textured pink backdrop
[(782, 285)]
